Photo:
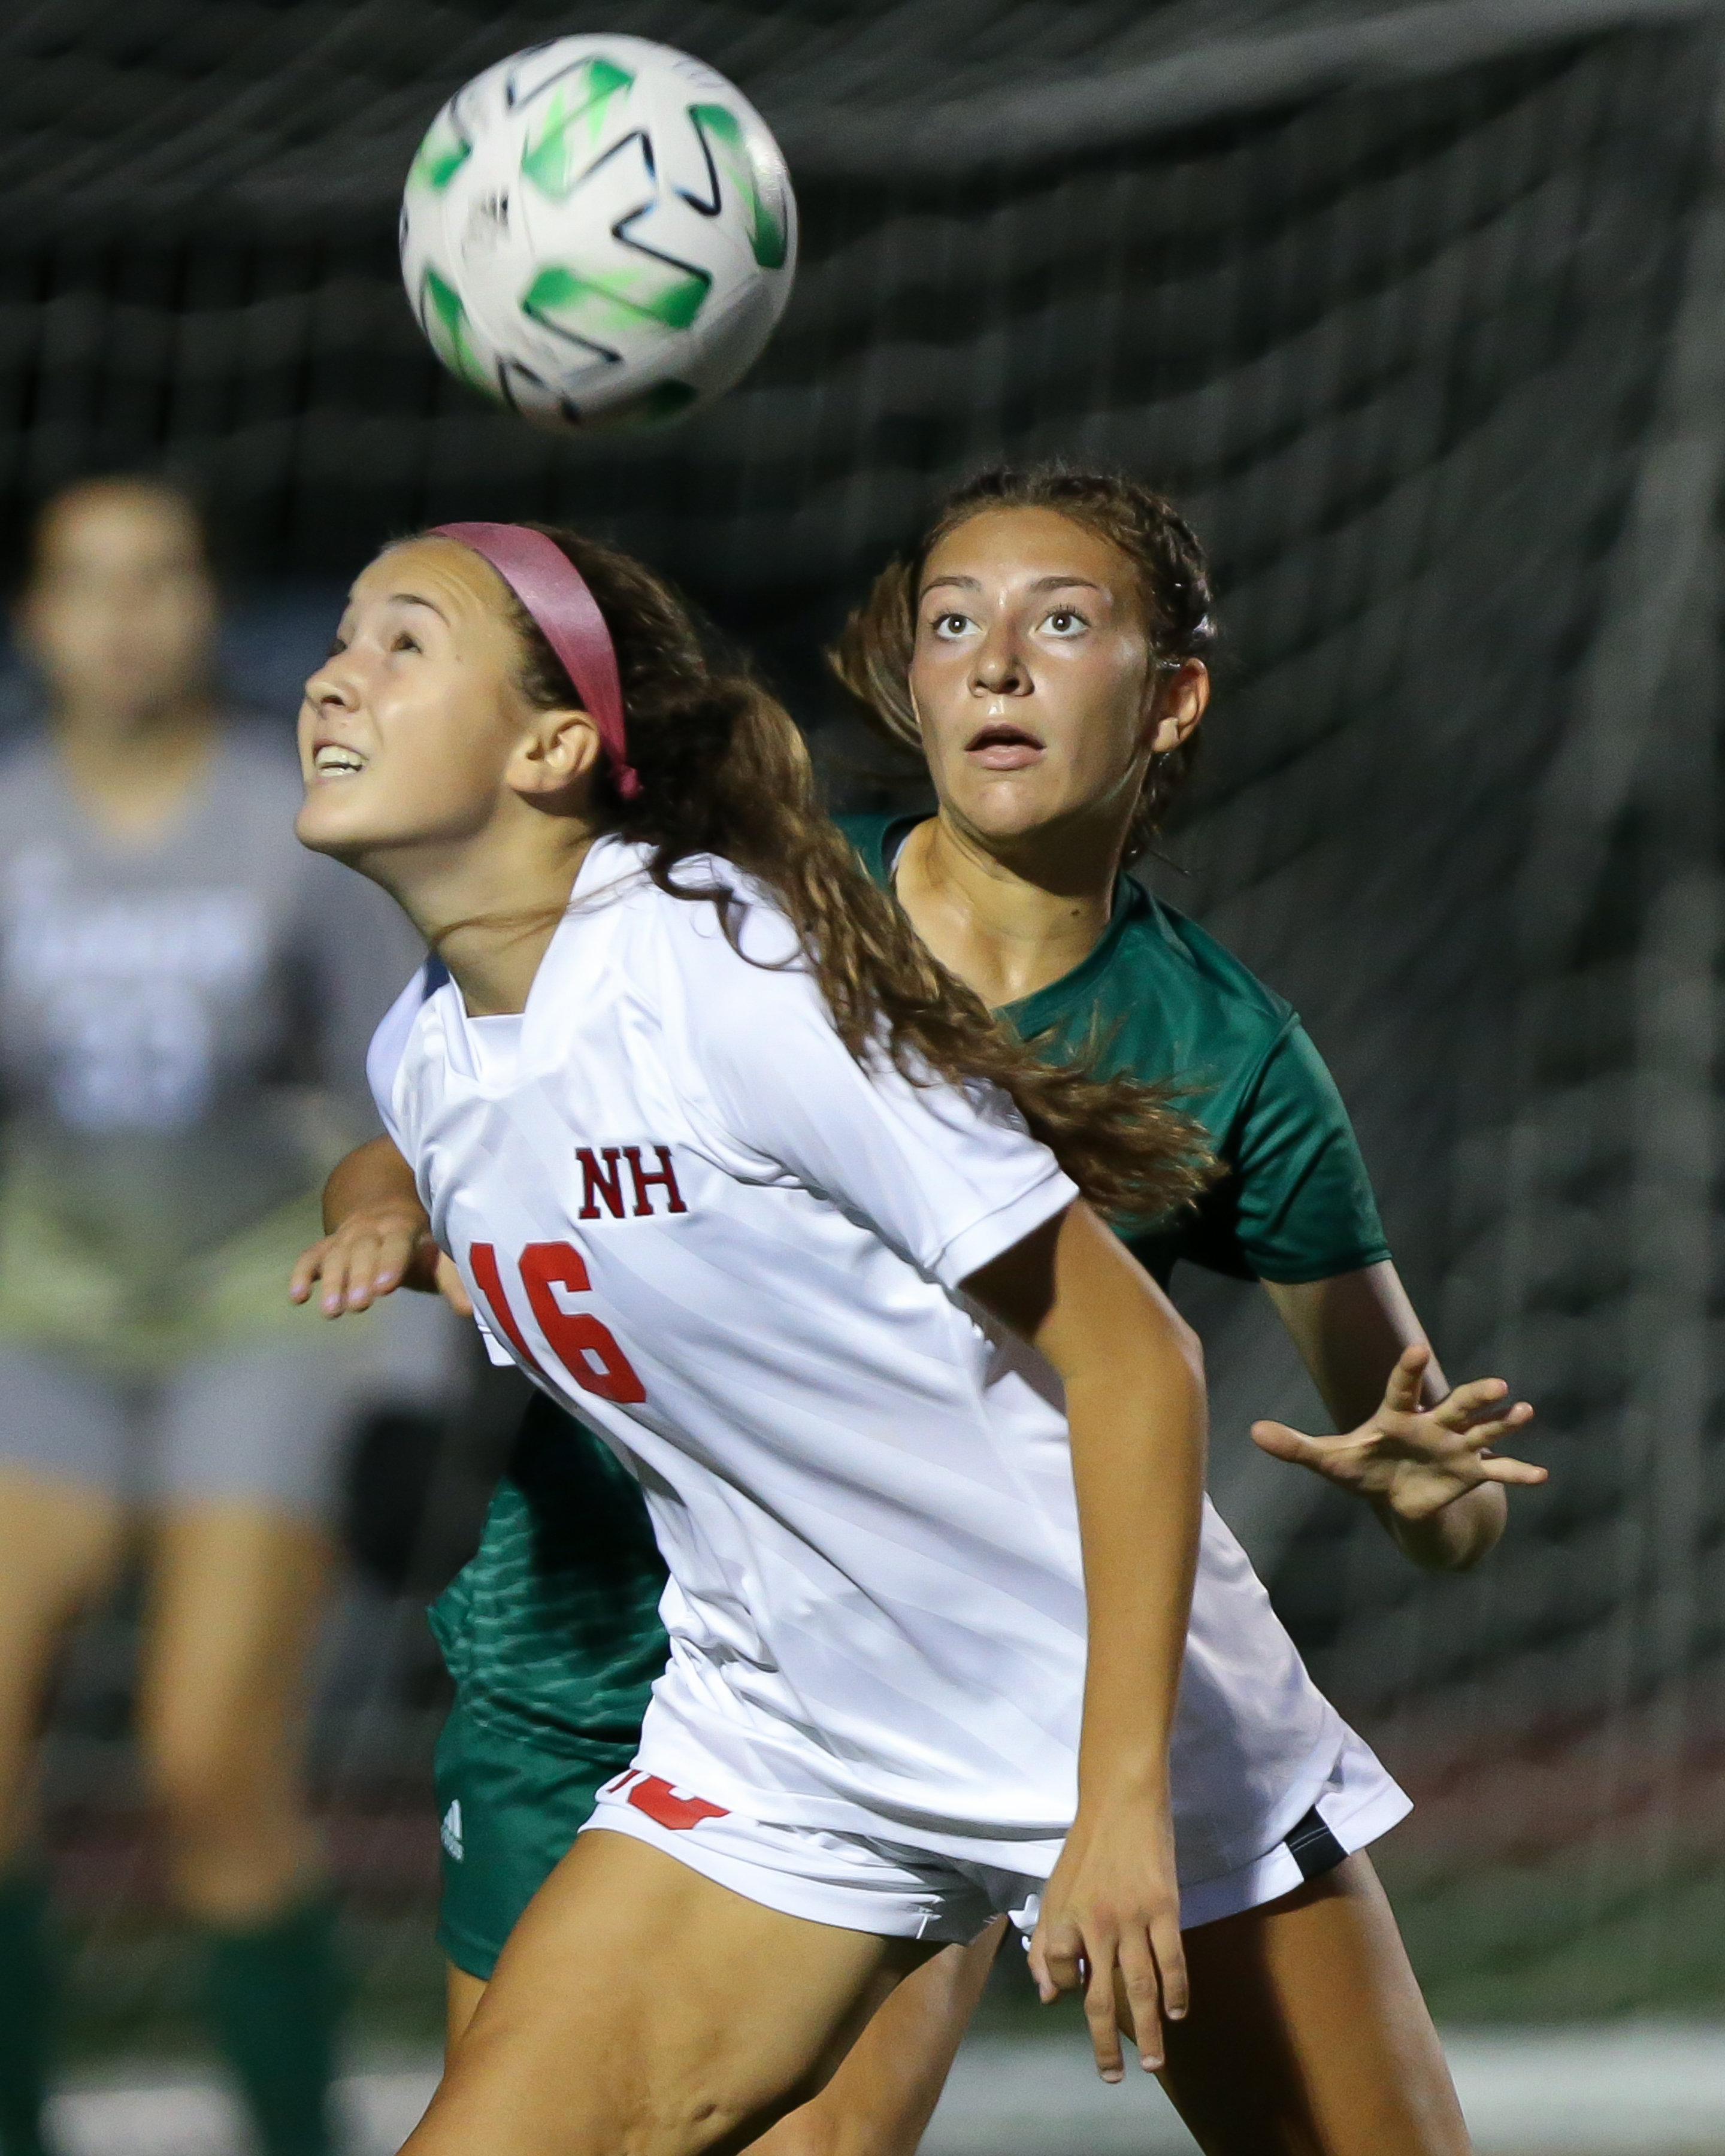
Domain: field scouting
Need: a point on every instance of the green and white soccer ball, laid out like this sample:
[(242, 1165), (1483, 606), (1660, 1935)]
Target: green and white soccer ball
[(598, 232)]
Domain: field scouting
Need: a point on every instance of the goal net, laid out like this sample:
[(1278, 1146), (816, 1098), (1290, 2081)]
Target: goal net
[(1418, 311)]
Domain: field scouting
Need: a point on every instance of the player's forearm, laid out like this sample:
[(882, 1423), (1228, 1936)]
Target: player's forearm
[(1350, 1329), (1451, 1540), (1135, 1406), (1137, 1438), (372, 1174)]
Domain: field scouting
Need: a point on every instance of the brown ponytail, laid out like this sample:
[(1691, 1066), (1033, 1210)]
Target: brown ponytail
[(872, 656), (724, 771)]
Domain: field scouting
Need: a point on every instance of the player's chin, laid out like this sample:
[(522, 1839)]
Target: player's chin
[(1013, 804), (328, 824)]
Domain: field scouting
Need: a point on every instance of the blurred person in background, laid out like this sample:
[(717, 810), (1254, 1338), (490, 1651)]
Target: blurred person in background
[(185, 997)]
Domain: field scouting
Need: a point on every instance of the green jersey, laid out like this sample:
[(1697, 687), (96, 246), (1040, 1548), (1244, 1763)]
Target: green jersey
[(553, 1633), (1159, 999)]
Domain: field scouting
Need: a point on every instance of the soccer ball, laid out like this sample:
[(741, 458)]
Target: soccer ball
[(599, 232)]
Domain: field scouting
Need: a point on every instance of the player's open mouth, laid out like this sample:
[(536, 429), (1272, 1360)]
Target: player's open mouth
[(331, 761), (1000, 746)]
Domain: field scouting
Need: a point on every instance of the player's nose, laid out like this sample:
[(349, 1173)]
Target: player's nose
[(999, 668), (333, 686)]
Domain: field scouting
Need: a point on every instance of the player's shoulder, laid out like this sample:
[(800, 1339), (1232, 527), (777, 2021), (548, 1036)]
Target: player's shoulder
[(706, 919), (1161, 944)]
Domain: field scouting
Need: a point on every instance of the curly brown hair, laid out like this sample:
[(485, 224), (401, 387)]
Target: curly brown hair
[(725, 772), (872, 655)]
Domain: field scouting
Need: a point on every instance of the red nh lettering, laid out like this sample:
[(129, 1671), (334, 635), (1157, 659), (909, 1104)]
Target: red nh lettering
[(606, 1182)]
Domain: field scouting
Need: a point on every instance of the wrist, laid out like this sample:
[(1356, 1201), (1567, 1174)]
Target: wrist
[(1123, 1781), (407, 1213)]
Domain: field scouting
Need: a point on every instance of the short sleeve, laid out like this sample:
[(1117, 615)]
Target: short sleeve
[(1299, 1195), (946, 1176)]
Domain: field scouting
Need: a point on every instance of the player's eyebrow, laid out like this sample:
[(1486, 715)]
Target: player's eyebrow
[(1041, 584), (413, 598)]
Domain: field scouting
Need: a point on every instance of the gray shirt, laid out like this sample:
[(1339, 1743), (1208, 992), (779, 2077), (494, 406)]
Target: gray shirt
[(183, 1021)]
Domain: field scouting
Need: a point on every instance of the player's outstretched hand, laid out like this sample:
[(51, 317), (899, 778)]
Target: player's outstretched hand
[(1416, 1459), (1110, 1928), (377, 1250)]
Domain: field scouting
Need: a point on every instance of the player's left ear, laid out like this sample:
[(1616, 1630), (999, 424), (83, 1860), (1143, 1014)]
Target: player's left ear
[(558, 750), (1178, 704)]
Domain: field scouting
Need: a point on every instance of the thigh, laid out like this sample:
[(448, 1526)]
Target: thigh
[(639, 2006), (236, 1591), (1308, 2036), (879, 2101), (60, 1543)]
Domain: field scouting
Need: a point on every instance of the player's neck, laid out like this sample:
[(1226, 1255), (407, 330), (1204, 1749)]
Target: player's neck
[(133, 770), (489, 906), (1007, 927)]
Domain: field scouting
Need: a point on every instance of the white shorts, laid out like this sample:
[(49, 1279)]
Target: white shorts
[(866, 1884)]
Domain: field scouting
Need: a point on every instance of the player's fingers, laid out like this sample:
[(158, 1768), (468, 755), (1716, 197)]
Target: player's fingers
[(1478, 1436), (1281, 1443), (1054, 1960), (1170, 1951), (362, 1255), (395, 1254), (1467, 1403), (306, 1271), (1141, 1987), (1401, 1395), (380, 1270), (1522, 1472), (451, 1287), (1101, 2010), (336, 1267)]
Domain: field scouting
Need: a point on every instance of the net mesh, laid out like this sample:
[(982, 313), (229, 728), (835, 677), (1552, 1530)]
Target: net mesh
[(1414, 310)]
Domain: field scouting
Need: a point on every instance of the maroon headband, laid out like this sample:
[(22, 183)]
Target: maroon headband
[(555, 593)]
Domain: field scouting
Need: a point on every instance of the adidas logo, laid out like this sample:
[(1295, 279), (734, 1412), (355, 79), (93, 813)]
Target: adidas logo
[(451, 1828)]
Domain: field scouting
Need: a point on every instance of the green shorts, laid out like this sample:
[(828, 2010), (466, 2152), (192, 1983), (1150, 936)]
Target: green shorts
[(509, 1811), (553, 1636)]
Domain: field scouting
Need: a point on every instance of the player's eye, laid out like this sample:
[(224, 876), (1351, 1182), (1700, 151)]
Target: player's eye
[(1064, 621), (338, 647), (405, 641), (950, 625)]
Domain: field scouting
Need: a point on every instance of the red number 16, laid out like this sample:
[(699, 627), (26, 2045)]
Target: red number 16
[(586, 1349)]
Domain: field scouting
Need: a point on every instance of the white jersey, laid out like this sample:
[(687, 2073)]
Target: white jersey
[(697, 1221)]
